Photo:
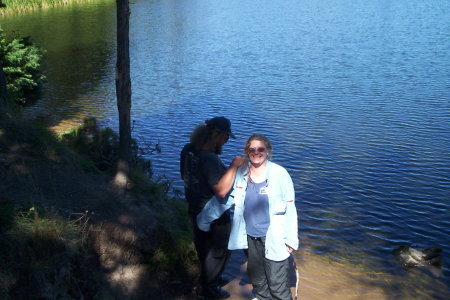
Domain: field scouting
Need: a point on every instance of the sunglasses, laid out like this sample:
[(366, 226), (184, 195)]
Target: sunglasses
[(259, 149)]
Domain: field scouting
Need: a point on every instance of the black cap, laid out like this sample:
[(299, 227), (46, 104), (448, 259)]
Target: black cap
[(221, 124)]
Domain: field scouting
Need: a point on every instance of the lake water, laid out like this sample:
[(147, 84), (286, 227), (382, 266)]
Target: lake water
[(354, 96)]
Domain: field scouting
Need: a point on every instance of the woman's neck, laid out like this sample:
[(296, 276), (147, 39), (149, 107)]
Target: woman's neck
[(258, 173)]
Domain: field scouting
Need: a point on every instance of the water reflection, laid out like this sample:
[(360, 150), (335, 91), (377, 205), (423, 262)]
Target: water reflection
[(80, 53), (353, 95)]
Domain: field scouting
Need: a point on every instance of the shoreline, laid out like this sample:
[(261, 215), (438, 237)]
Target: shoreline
[(321, 278), (12, 8)]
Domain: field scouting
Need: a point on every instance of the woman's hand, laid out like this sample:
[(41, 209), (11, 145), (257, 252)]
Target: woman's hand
[(289, 249)]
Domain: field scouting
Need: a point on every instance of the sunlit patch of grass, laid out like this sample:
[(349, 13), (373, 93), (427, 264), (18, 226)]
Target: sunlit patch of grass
[(30, 225), (20, 138), (24, 6)]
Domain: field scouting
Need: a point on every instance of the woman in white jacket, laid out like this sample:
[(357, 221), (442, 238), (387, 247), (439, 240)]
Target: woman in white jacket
[(264, 220)]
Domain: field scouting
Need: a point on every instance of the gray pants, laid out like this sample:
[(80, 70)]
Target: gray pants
[(270, 279)]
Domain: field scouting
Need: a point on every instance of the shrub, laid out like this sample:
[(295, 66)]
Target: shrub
[(97, 145), (101, 146), (21, 61)]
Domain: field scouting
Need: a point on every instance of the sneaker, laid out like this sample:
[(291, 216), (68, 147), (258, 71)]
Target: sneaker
[(212, 293)]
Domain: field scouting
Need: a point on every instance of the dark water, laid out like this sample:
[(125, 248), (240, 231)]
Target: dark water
[(354, 95)]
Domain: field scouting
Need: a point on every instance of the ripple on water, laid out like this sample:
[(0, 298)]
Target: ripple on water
[(353, 96)]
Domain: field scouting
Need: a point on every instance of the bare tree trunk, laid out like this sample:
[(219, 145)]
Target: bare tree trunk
[(3, 93), (123, 91)]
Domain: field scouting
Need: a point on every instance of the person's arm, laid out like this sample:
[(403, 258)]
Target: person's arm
[(183, 154), (225, 183), (216, 206), (291, 215), (212, 210)]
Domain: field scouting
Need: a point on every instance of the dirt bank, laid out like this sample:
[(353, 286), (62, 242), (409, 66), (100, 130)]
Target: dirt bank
[(319, 278)]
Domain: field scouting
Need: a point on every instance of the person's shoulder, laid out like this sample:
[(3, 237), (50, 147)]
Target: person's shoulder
[(274, 167), (188, 148), (208, 155), (209, 158)]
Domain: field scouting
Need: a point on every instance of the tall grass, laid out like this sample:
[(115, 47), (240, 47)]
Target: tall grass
[(46, 251), (40, 254), (23, 6), (175, 253)]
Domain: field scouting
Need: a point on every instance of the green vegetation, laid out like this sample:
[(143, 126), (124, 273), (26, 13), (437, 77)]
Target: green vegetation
[(41, 255), (94, 144), (23, 6), (66, 232), (59, 217), (21, 61)]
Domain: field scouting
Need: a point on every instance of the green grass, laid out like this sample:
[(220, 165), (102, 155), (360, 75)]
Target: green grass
[(24, 139), (176, 252), (45, 250), (23, 6), (39, 253)]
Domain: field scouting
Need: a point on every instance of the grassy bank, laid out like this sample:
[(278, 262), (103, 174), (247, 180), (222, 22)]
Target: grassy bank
[(24, 6), (67, 232)]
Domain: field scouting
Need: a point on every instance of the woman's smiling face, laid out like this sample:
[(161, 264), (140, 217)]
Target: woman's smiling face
[(257, 152)]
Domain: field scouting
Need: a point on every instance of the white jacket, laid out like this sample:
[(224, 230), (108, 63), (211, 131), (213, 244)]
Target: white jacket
[(283, 227)]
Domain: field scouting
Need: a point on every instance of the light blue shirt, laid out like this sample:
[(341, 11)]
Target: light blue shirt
[(256, 209), (283, 227)]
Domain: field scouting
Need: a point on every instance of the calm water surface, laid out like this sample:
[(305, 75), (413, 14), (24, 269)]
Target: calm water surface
[(354, 95)]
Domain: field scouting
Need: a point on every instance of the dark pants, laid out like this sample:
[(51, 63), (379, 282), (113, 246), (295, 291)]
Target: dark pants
[(212, 249), (270, 279)]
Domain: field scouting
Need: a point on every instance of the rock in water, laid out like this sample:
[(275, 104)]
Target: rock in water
[(409, 257)]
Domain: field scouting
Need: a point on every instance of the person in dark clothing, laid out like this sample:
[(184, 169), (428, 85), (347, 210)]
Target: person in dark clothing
[(205, 176)]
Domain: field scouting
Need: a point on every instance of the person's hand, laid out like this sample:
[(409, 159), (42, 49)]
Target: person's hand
[(237, 161), (289, 249)]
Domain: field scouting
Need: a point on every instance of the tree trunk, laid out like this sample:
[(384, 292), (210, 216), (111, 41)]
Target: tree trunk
[(3, 93), (123, 92)]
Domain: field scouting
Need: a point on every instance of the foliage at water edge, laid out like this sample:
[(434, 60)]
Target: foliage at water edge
[(21, 61)]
